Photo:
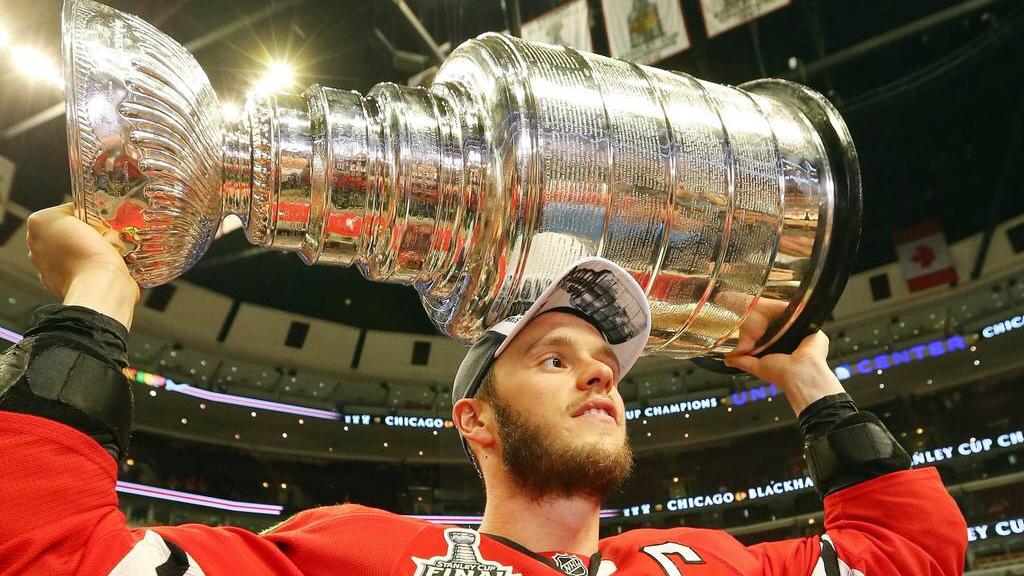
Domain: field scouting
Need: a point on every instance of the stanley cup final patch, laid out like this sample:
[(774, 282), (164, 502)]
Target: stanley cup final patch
[(463, 558)]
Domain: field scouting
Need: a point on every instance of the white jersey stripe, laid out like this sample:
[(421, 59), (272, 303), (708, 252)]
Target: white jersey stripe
[(844, 568), (150, 553)]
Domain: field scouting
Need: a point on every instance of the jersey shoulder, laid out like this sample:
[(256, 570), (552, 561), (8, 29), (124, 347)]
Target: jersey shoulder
[(640, 537), (364, 540), (349, 538), (668, 550), (352, 516)]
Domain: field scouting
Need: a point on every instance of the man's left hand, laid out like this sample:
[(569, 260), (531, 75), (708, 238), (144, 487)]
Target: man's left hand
[(804, 375)]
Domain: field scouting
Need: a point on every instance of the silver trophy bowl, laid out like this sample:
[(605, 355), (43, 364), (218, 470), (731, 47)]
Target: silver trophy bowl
[(736, 208)]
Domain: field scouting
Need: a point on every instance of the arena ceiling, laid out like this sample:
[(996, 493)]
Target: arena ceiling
[(933, 92)]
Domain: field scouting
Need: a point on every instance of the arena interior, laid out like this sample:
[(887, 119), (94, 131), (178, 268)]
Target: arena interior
[(264, 386)]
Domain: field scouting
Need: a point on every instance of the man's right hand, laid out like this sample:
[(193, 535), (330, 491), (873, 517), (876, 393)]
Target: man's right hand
[(81, 265)]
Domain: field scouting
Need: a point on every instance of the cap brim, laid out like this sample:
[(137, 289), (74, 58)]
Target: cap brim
[(604, 294)]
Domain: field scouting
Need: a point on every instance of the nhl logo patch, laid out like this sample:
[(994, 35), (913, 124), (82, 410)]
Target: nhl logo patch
[(463, 558), (570, 564)]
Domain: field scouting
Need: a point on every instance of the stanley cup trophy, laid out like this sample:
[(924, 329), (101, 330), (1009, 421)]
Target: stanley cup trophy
[(737, 209)]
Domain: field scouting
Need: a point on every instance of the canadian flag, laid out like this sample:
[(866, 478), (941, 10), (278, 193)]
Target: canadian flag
[(924, 256)]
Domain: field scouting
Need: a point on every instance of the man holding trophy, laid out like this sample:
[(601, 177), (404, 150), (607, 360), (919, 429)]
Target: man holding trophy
[(537, 406), (562, 212)]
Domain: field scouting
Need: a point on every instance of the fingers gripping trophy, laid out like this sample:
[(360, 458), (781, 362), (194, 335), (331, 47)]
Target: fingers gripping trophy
[(737, 209)]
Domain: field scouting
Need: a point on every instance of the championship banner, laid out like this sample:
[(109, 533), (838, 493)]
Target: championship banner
[(6, 179), (723, 15), (645, 31), (924, 256), (569, 24)]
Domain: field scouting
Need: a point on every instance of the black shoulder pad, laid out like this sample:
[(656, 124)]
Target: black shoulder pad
[(55, 378)]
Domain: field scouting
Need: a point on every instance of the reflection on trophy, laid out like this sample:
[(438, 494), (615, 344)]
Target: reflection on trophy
[(737, 209)]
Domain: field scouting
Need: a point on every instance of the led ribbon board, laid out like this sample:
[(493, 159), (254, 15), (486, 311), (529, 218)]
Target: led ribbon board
[(873, 364), (197, 499)]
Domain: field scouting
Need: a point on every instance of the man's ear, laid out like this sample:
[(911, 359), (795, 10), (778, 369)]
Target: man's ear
[(475, 421)]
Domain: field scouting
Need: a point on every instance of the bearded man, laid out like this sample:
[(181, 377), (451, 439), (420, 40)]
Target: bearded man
[(537, 405)]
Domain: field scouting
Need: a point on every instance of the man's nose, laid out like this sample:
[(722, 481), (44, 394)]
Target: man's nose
[(598, 375)]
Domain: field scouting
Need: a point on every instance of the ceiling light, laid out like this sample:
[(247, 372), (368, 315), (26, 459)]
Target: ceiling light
[(279, 76), (282, 71), (230, 112), (36, 65)]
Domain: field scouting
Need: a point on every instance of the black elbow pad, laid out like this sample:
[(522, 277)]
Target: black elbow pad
[(856, 449), (56, 378)]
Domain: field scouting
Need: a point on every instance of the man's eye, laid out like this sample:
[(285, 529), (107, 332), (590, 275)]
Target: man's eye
[(554, 362)]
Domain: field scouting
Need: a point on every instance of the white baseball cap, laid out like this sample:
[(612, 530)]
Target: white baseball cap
[(595, 289)]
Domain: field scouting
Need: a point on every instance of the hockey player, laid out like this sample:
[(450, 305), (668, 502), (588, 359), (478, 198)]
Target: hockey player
[(537, 406)]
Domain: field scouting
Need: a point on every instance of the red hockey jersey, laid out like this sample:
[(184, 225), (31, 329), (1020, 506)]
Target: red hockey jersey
[(60, 516)]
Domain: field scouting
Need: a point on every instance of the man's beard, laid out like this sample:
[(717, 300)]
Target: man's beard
[(545, 467)]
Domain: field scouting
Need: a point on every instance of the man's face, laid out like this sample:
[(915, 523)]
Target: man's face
[(561, 420)]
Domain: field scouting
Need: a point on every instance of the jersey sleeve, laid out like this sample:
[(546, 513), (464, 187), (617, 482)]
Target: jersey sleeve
[(60, 509), (61, 518), (901, 523)]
